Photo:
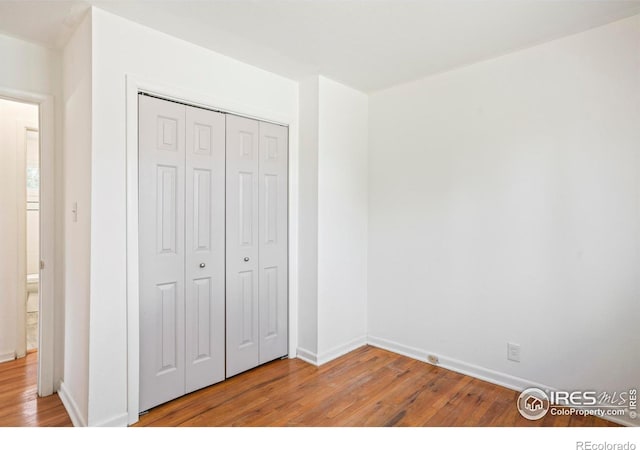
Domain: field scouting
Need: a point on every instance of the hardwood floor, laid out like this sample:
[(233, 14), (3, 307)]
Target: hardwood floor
[(367, 387), (20, 405)]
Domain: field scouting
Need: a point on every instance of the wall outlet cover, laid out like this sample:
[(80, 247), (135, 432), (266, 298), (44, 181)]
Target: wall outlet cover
[(513, 352)]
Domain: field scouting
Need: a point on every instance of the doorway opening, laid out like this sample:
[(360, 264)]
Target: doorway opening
[(20, 261)]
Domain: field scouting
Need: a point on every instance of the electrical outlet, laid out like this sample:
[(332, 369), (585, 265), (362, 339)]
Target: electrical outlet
[(513, 352), (433, 359)]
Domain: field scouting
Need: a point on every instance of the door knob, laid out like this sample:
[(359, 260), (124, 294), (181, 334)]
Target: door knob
[(202, 265), (246, 259)]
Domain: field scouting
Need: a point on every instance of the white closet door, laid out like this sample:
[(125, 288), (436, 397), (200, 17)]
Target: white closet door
[(205, 258), (242, 245), (162, 253), (273, 153)]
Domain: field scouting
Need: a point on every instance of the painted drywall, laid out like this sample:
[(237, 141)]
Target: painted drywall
[(121, 48), (342, 218), (13, 117), (505, 207), (77, 169), (28, 67), (308, 207), (31, 68), (333, 219)]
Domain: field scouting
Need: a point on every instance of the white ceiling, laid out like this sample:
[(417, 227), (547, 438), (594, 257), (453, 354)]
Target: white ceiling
[(369, 45)]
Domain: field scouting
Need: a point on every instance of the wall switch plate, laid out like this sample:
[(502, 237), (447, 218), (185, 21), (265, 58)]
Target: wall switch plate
[(513, 352), (433, 359)]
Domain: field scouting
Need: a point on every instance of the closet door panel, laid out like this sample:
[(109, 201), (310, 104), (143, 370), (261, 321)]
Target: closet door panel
[(273, 235), (162, 252), (205, 247), (242, 210)]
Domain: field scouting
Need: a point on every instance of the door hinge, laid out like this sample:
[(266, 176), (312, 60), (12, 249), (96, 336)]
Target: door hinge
[(41, 265)]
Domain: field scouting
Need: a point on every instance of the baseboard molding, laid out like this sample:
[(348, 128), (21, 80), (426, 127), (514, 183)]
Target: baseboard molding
[(118, 421), (4, 357), (340, 350), (71, 406), (482, 373), (307, 356), (336, 352)]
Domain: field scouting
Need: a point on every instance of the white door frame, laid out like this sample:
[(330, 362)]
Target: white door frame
[(22, 127), (47, 233), (134, 85)]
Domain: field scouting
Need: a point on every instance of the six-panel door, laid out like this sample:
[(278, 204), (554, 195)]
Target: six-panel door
[(181, 245), (243, 340), (161, 173), (257, 237), (205, 253), (273, 236), (190, 290)]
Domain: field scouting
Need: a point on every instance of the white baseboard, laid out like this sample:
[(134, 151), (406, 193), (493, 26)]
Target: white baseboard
[(340, 350), (330, 355), (481, 373), (10, 356), (307, 356), (501, 379), (71, 406), (117, 421)]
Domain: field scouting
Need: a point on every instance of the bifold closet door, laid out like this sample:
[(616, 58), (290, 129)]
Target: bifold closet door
[(243, 350), (181, 249), (205, 253), (161, 172), (256, 243), (273, 238)]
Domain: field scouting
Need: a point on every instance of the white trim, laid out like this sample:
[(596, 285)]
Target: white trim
[(22, 127), (491, 376), (10, 356), (481, 373), (121, 420), (307, 356), (71, 406), (334, 353), (46, 287), (21, 261), (341, 350), (135, 84)]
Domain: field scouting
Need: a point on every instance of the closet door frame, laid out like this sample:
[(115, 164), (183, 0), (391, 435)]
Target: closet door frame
[(134, 86)]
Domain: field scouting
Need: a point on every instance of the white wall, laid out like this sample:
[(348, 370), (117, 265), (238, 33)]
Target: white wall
[(77, 169), (308, 208), (505, 206), (27, 67), (333, 219), (13, 117), (121, 47), (342, 219)]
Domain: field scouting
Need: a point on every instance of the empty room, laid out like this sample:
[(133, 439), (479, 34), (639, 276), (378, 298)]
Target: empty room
[(311, 214)]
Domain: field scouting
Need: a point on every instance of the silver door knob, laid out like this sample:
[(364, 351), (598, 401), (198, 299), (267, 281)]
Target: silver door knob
[(202, 265), (246, 259)]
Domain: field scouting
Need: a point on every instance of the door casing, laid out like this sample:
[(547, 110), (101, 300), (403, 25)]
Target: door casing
[(47, 384)]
